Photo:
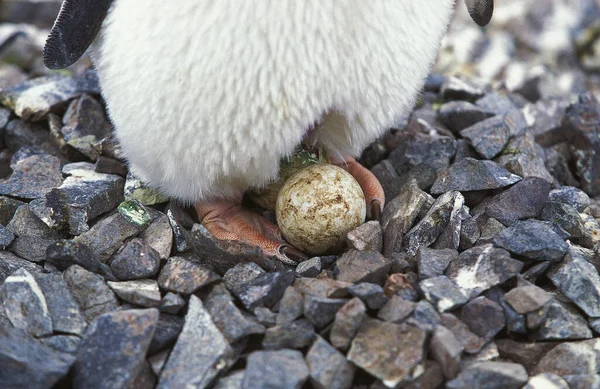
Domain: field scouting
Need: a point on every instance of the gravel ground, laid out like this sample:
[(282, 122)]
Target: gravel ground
[(484, 272)]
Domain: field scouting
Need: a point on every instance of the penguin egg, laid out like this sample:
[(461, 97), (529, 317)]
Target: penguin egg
[(318, 206)]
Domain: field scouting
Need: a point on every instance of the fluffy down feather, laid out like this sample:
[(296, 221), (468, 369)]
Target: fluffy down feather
[(207, 96)]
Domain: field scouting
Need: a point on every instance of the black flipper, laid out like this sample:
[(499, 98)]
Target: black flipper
[(480, 10), (75, 28)]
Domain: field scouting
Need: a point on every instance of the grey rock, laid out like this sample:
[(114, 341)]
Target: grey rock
[(568, 359), (22, 136), (25, 305), (180, 239), (583, 381), (442, 293), (136, 189), (323, 287), (403, 285), (525, 158), (515, 322), (109, 165), (388, 351), (285, 369), (470, 175), (347, 322), (113, 349), (446, 350), (564, 215), (135, 260), (579, 281), (450, 236), (67, 344), (9, 263), (396, 310), (528, 298), (523, 200), (321, 310), (25, 223), (362, 266), (432, 263), (431, 378), (425, 316), (458, 115), (562, 322), (386, 174), (532, 239), (27, 363), (232, 323), (527, 354), (328, 368), (241, 274), (265, 316), (65, 253), (498, 102), (571, 196), (263, 290), (481, 268), (144, 293), (8, 207), (461, 88), (425, 232), (484, 317), (64, 311), (399, 215), (32, 248), (181, 275), (32, 100), (489, 229), (371, 294), (167, 331), (90, 291), (291, 306), (309, 268), (590, 231), (85, 124), (200, 354), (534, 272), (296, 335), (231, 381), (159, 236), (366, 237), (490, 375), (422, 154), (33, 177), (488, 137), (171, 303)]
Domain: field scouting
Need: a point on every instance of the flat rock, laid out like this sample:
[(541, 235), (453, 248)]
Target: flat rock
[(309, 268), (371, 294), (26, 138), (442, 293), (361, 266), (528, 298), (65, 253), (113, 349), (135, 260), (291, 306), (546, 381), (488, 137), (388, 351), (432, 263), (64, 311), (293, 335), (136, 189), (481, 268), (200, 354), (27, 363), (231, 381), (532, 239), (490, 375), (285, 369), (470, 174), (523, 200), (144, 293), (527, 354), (458, 115), (396, 310), (366, 237), (159, 236), (563, 322), (565, 216), (323, 287), (33, 177), (181, 275), (25, 305), (263, 290), (571, 196), (461, 88), (446, 350), (346, 323), (68, 344), (425, 316), (328, 368), (568, 359), (484, 317), (321, 310), (9, 263), (515, 322), (90, 291), (172, 303)]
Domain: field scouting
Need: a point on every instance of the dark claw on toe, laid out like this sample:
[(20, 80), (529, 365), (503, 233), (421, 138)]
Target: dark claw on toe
[(376, 210), (293, 254)]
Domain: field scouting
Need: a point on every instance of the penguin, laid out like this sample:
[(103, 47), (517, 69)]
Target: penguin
[(206, 97)]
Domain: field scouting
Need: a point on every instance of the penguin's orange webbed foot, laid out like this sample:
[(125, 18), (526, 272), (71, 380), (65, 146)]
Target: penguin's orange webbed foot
[(227, 220), (370, 185)]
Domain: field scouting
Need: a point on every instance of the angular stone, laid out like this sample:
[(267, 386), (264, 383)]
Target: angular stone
[(526, 158), (568, 359), (322, 287), (321, 310), (579, 281), (32, 248), (583, 381), (291, 306), (358, 266), (425, 316), (532, 239), (347, 322), (458, 115), (232, 322), (68, 344), (563, 322), (366, 237), (488, 137), (135, 260), (296, 335), (523, 200), (515, 322), (28, 138), (265, 316), (546, 381), (490, 375), (450, 236), (446, 350), (484, 317), (65, 253), (371, 294), (83, 196), (309, 268), (171, 303), (25, 305), (328, 368), (159, 236), (403, 285), (27, 363), (528, 298), (527, 354), (285, 369), (113, 349), (481, 268), (432, 263), (431, 226), (442, 293), (9, 263), (263, 290), (432, 377), (565, 216), (8, 207), (489, 229), (396, 310), (90, 291), (387, 351), (109, 165), (64, 311), (183, 276), (144, 293), (571, 196), (200, 354), (461, 88), (33, 177), (470, 175), (136, 189), (231, 381), (26, 223)]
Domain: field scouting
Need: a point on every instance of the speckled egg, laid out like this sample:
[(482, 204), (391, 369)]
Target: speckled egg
[(318, 206)]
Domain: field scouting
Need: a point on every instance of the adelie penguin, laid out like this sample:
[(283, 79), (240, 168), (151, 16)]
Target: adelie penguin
[(207, 96)]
